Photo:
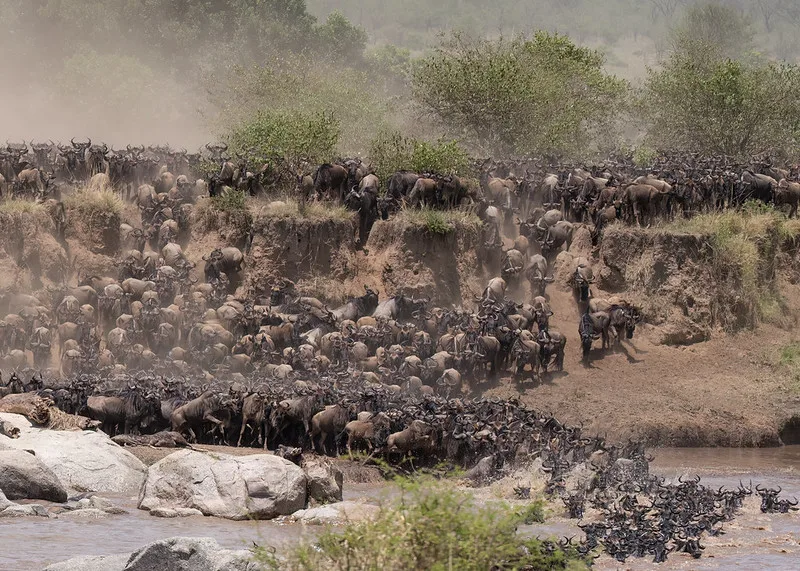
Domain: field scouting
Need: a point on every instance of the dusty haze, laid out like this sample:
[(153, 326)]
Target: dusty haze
[(122, 73)]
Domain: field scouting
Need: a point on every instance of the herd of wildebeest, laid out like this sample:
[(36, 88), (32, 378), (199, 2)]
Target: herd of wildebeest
[(163, 347)]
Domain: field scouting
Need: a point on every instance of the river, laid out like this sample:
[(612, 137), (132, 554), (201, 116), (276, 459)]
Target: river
[(753, 540)]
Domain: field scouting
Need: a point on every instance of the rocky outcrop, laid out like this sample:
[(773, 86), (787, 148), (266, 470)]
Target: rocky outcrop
[(82, 460), (324, 480), (259, 486), (24, 477), (175, 554)]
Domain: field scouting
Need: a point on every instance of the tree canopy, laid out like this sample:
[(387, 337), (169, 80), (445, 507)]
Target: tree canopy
[(518, 96), (712, 95)]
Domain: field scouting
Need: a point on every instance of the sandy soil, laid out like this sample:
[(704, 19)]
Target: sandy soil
[(728, 391)]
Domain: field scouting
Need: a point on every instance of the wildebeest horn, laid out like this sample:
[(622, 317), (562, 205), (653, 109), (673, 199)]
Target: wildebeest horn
[(74, 144)]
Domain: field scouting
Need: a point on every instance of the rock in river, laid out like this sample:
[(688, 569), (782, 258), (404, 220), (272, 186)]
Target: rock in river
[(82, 460), (234, 487), (23, 476), (175, 554)]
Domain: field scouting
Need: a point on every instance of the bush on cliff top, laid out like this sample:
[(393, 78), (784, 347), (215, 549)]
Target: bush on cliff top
[(391, 152), (431, 526)]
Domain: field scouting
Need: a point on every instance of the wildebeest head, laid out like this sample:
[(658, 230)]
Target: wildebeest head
[(369, 300), (408, 306), (586, 331), (353, 199), (213, 264), (632, 317)]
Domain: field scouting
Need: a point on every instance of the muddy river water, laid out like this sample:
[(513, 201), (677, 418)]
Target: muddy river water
[(752, 541)]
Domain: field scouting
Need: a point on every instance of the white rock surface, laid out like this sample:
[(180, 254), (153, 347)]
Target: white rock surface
[(23, 476), (338, 513), (324, 480), (82, 460), (261, 486)]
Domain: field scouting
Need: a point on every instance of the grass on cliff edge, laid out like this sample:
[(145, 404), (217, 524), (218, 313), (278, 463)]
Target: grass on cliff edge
[(91, 203), (744, 244), (289, 208), (14, 206), (438, 222), (430, 526)]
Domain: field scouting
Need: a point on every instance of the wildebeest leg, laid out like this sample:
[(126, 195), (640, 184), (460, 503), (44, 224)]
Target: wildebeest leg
[(241, 433), (208, 417)]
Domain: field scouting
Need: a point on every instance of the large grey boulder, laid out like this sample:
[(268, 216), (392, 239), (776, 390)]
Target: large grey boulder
[(175, 554), (261, 486), (82, 460), (23, 476), (324, 480)]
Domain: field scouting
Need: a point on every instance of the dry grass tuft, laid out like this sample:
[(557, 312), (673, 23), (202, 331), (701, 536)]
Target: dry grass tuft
[(91, 203), (438, 222), (291, 209), (15, 206)]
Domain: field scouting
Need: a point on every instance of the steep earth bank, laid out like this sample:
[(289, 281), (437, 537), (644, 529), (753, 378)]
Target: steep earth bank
[(702, 370)]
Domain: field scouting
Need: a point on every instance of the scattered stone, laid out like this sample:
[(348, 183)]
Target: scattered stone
[(92, 563), (27, 510), (189, 554), (4, 501), (85, 513), (8, 429)]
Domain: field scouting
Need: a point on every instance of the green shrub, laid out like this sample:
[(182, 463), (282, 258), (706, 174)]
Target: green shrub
[(231, 201), (789, 361), (532, 512), (436, 223), (430, 526), (290, 138), (391, 152), (644, 156), (542, 94)]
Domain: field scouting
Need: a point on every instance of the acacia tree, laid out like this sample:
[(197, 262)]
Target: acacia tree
[(519, 96), (702, 99)]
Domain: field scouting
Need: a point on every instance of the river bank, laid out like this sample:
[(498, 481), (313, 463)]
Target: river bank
[(752, 541)]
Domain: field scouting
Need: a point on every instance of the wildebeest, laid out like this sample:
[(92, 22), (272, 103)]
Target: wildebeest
[(329, 422), (330, 181)]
